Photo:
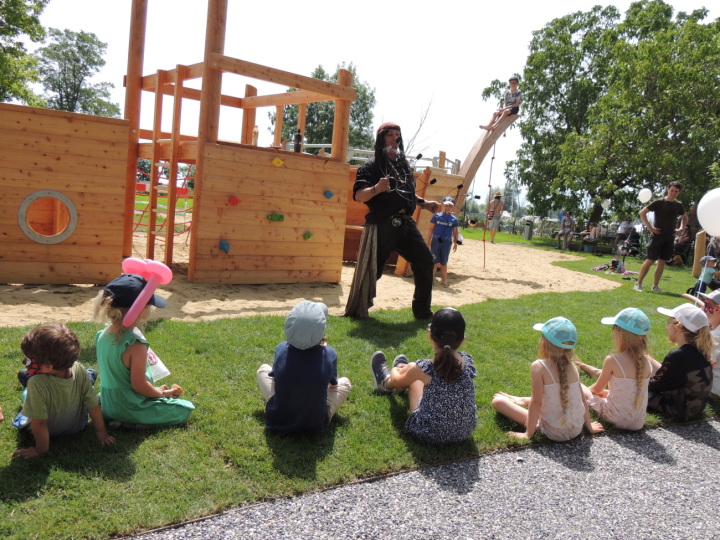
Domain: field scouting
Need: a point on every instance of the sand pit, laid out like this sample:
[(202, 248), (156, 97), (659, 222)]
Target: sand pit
[(469, 283)]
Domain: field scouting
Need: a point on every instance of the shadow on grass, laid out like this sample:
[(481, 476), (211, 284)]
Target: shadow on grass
[(297, 455), (383, 334), (80, 454)]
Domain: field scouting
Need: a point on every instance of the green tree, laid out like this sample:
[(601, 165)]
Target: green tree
[(320, 116), (66, 67), (18, 68)]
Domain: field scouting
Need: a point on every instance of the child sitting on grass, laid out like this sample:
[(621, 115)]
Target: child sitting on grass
[(441, 390), (625, 401), (59, 398), (128, 392), (681, 387), (556, 405), (301, 390)]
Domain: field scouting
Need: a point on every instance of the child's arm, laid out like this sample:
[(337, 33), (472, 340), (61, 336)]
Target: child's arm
[(599, 386), (404, 375), (455, 232), (431, 234), (41, 433), (592, 427), (136, 354), (537, 394), (99, 424)]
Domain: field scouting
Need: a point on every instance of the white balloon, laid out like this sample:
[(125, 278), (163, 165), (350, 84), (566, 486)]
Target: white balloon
[(708, 212), (605, 204), (644, 195)]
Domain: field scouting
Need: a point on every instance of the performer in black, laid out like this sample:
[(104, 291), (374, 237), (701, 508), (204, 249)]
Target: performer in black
[(386, 184)]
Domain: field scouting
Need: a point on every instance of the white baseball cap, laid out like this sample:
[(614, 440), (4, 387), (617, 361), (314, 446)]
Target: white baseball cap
[(691, 317)]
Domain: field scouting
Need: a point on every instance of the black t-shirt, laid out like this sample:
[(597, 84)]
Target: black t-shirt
[(666, 214), (400, 197)]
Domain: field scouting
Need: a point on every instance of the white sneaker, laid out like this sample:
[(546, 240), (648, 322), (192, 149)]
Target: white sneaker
[(637, 287), (656, 289)]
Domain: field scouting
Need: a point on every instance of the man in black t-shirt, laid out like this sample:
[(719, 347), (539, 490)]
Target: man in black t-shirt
[(385, 183), (662, 233)]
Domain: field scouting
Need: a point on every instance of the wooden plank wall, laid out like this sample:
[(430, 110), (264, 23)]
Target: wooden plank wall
[(82, 157), (261, 250)]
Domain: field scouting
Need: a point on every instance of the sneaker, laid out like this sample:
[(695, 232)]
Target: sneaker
[(380, 371), (656, 289), (637, 287), (21, 421), (400, 359)]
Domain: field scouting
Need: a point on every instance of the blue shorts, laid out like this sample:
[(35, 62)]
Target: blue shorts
[(440, 248), (494, 222)]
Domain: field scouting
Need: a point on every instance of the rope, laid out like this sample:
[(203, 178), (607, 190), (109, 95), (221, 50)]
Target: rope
[(487, 210)]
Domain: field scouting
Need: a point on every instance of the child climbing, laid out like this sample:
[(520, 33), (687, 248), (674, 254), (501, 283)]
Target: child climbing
[(441, 390), (128, 392), (444, 234), (620, 393), (556, 405)]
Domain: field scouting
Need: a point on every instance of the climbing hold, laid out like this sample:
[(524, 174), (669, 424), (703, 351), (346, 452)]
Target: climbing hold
[(328, 194), (277, 162), (224, 245), (276, 217), (233, 200), (307, 235)]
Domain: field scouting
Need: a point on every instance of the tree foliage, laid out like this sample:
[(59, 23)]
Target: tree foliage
[(19, 18), (614, 106), (320, 116), (66, 66)]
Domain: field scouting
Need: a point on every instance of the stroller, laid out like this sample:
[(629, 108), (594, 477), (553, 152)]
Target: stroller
[(631, 246)]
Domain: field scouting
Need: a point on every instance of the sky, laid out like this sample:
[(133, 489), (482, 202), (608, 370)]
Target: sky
[(417, 55)]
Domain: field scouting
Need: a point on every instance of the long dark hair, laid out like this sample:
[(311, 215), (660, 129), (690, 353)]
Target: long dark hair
[(447, 330)]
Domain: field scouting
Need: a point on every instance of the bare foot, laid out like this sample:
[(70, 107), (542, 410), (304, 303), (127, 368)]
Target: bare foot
[(1, 415), (444, 283), (590, 370), (486, 127)]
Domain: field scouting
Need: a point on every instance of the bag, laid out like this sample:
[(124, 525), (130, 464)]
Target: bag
[(460, 239), (157, 368)]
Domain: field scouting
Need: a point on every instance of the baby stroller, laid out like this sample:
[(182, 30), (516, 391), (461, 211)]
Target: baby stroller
[(631, 246)]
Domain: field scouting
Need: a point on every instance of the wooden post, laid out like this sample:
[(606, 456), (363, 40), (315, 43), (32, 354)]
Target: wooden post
[(248, 120), (341, 125), (209, 110), (155, 167), (302, 120), (277, 136), (136, 52), (441, 160)]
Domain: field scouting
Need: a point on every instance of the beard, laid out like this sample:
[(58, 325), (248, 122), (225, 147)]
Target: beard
[(392, 152)]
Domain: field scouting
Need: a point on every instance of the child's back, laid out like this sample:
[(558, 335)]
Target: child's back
[(560, 421)]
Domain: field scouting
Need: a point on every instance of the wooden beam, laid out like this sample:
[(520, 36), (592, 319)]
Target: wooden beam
[(341, 124), (286, 98), (277, 136), (240, 67)]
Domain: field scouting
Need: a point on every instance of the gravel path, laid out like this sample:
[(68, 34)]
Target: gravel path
[(659, 483)]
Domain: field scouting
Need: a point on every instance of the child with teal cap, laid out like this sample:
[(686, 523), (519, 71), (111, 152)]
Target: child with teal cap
[(620, 393), (556, 405)]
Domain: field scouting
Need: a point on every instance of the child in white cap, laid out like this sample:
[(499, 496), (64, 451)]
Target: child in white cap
[(301, 390), (620, 394), (556, 405), (444, 235), (681, 387)]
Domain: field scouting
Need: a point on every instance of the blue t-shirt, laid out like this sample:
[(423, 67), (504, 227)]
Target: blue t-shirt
[(301, 382), (444, 225)]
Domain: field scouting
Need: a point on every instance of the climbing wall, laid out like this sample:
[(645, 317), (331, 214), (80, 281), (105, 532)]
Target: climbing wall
[(268, 217)]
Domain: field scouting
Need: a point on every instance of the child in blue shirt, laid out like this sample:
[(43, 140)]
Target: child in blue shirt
[(707, 274), (444, 232), (301, 390)]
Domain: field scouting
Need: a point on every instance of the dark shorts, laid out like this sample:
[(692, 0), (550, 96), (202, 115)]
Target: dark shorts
[(441, 250), (515, 110), (660, 248)]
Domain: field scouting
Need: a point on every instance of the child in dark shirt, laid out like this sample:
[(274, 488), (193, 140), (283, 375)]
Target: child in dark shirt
[(681, 387), (301, 390)]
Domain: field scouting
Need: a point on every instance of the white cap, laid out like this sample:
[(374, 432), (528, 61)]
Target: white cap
[(714, 296), (691, 317)]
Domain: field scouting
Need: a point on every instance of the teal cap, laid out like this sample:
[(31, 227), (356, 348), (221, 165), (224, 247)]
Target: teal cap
[(559, 331), (631, 319)]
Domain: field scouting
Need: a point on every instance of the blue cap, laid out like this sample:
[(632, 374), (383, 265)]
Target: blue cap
[(631, 319), (559, 331)]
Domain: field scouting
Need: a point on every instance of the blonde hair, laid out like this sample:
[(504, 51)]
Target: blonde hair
[(702, 340), (562, 358), (104, 311), (637, 347)]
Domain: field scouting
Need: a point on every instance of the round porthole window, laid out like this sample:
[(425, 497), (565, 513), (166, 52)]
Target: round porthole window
[(47, 216)]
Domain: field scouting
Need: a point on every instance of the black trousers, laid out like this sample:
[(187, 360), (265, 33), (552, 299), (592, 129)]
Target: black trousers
[(407, 241)]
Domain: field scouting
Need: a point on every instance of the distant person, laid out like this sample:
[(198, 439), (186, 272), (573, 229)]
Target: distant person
[(590, 235), (556, 405), (693, 223), (681, 387), (513, 98), (620, 394), (565, 234), (441, 390), (623, 232), (495, 211), (662, 234), (444, 236), (302, 391), (59, 398), (707, 274), (712, 312)]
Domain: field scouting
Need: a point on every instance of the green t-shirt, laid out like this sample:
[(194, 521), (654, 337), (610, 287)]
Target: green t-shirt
[(62, 402)]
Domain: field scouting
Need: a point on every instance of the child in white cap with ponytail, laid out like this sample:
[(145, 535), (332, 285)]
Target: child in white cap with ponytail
[(556, 405), (302, 391)]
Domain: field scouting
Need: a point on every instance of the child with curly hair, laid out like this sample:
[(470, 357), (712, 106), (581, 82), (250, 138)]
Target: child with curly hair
[(556, 405), (616, 396)]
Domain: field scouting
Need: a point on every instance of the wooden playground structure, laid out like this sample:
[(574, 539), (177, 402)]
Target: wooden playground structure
[(260, 215)]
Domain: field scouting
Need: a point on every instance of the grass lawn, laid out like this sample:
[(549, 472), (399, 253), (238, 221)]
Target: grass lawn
[(223, 458)]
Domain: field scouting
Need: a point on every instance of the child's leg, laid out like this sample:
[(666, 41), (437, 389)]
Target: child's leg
[(507, 406), (443, 275), (337, 395), (415, 394), (2, 417), (590, 370), (266, 383)]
